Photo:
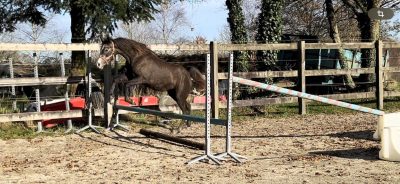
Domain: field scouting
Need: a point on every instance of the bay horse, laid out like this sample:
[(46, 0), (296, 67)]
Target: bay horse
[(144, 67)]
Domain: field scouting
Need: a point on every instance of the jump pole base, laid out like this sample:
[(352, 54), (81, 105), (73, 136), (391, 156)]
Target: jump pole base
[(205, 157), (70, 127), (236, 157), (69, 130), (92, 127), (122, 127)]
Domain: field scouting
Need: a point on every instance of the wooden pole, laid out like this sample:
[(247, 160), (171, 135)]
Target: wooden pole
[(379, 74), (301, 76), (158, 135), (214, 80)]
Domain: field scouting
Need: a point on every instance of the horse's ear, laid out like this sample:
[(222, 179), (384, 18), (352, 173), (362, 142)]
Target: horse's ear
[(105, 37)]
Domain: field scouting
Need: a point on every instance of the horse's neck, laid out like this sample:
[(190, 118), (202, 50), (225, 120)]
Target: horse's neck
[(125, 52)]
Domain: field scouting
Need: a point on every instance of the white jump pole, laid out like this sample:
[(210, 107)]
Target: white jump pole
[(88, 99), (113, 111), (207, 155), (381, 115), (388, 127), (66, 97), (228, 146), (37, 91)]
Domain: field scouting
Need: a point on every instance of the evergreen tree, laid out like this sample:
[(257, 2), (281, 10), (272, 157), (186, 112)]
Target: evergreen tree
[(88, 17), (270, 26), (238, 33)]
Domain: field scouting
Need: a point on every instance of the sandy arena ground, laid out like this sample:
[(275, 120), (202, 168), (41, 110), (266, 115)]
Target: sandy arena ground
[(299, 149)]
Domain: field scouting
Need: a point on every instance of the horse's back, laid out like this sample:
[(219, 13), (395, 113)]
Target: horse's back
[(161, 75)]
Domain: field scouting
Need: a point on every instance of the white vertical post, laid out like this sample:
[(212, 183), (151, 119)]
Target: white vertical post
[(37, 92), (208, 108), (228, 126), (67, 107), (88, 98), (14, 103), (111, 108), (207, 155)]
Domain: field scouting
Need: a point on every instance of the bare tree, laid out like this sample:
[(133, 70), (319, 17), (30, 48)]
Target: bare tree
[(369, 29), (167, 26), (305, 18), (335, 35), (251, 10), (32, 33), (4, 55), (390, 30), (224, 35), (170, 20), (143, 32)]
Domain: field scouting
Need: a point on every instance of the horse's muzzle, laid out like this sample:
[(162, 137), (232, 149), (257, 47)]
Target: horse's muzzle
[(100, 63)]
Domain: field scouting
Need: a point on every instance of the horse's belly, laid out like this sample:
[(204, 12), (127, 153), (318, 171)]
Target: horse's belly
[(161, 86)]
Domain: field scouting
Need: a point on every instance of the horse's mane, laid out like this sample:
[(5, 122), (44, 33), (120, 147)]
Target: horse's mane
[(138, 47)]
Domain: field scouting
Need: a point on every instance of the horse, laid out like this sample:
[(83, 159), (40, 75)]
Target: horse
[(144, 67)]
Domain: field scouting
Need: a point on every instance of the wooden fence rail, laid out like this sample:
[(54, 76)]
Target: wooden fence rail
[(214, 49), (43, 81)]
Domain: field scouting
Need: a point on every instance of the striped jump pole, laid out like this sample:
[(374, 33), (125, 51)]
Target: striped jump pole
[(307, 96), (388, 126), (383, 118)]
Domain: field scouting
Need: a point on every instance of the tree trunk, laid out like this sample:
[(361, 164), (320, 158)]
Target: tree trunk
[(334, 34), (78, 36), (369, 33)]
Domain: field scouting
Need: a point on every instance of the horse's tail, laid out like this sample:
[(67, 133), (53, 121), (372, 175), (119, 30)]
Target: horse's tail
[(198, 79)]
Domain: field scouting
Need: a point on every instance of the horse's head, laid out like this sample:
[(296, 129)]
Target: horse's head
[(107, 52)]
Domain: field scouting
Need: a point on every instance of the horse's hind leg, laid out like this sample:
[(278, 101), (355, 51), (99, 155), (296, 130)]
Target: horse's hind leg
[(180, 98)]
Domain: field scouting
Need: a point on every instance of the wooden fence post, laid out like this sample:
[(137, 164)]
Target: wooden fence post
[(214, 80), (379, 74), (301, 75)]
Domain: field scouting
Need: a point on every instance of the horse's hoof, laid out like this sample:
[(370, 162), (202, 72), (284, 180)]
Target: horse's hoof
[(130, 101), (175, 131)]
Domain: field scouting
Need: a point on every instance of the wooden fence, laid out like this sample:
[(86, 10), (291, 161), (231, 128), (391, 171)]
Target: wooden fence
[(215, 49)]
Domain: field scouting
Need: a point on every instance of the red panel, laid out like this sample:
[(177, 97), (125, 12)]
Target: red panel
[(202, 99), (121, 101), (74, 104), (222, 98), (199, 99), (148, 100)]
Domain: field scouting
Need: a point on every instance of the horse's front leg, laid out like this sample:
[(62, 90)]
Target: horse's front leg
[(129, 85)]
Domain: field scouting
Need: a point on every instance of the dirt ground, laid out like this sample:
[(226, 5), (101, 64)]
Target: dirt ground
[(299, 149)]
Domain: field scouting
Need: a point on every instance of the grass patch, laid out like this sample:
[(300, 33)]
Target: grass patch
[(16, 130)]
